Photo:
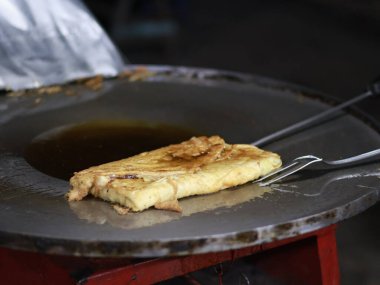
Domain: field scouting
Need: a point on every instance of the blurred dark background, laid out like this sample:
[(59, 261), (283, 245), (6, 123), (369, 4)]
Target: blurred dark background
[(331, 46)]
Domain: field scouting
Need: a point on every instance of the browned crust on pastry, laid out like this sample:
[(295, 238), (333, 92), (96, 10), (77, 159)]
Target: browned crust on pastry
[(171, 205), (120, 209)]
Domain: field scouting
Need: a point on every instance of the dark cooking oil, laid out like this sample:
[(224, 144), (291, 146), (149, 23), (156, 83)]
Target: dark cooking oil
[(75, 148)]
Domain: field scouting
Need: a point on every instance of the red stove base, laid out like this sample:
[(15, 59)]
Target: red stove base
[(305, 259)]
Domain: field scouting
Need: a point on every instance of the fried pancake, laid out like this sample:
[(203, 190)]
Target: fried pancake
[(158, 178)]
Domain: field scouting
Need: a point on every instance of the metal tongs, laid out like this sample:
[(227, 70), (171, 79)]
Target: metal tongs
[(303, 161)]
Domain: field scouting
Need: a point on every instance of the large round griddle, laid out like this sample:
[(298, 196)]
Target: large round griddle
[(35, 215)]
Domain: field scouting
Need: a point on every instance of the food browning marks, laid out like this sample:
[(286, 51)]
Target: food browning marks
[(59, 153)]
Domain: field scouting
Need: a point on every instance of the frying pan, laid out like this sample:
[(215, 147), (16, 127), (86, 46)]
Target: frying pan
[(241, 108)]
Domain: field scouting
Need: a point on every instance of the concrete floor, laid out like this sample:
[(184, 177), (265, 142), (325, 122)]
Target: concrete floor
[(329, 46)]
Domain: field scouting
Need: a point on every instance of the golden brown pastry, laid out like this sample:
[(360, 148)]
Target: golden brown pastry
[(158, 178)]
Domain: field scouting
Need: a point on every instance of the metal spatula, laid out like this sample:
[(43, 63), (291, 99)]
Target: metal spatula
[(52, 42), (303, 161)]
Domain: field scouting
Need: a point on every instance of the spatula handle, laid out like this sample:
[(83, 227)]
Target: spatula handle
[(374, 87), (319, 117)]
